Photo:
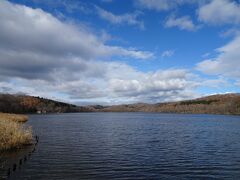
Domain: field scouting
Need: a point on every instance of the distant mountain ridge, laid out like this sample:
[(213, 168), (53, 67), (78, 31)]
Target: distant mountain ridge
[(214, 104)]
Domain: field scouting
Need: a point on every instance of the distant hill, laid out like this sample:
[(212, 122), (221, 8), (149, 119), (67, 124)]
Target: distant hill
[(30, 104), (215, 104)]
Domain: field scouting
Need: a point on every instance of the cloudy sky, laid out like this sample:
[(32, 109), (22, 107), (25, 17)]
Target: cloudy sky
[(119, 51)]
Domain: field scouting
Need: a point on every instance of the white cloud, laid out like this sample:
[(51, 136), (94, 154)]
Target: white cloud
[(167, 53), (183, 23), (41, 55), (110, 85), (30, 30), (226, 63), (130, 19), (219, 12)]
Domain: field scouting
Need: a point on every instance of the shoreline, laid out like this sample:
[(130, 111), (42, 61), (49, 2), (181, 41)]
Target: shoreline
[(13, 133)]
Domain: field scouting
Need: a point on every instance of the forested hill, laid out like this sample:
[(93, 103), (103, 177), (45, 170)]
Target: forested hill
[(29, 104), (215, 104)]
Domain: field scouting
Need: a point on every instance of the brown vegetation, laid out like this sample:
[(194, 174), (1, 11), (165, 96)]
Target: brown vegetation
[(30, 104), (13, 117), (216, 104), (13, 134)]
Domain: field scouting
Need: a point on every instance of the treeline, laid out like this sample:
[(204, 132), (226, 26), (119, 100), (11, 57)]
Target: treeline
[(216, 104), (29, 104)]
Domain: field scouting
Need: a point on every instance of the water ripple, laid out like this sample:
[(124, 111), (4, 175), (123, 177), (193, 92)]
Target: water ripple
[(134, 146)]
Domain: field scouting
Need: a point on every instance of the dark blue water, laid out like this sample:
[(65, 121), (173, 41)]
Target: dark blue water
[(134, 146)]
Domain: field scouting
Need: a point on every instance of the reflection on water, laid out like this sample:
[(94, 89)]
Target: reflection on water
[(14, 160), (133, 146)]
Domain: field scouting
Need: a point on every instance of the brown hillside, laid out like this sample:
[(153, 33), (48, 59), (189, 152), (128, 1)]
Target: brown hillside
[(216, 104)]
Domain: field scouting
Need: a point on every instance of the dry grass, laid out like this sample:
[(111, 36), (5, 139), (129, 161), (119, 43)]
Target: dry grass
[(13, 117), (12, 133)]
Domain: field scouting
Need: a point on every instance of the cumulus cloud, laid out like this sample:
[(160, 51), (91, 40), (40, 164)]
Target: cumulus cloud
[(162, 85), (35, 40), (226, 63), (26, 28), (183, 23), (111, 86), (41, 55), (130, 19), (219, 12)]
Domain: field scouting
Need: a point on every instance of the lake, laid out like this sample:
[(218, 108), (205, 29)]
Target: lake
[(133, 146)]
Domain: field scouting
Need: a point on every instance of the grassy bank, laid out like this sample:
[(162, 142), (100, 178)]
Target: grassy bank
[(13, 133), (13, 117)]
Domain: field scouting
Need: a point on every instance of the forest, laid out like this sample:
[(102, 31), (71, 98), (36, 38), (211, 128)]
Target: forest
[(215, 104), (29, 104)]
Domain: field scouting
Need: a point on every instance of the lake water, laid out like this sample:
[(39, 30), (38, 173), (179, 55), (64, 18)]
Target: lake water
[(133, 146)]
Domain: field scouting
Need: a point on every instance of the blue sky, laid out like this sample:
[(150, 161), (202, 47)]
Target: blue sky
[(112, 51)]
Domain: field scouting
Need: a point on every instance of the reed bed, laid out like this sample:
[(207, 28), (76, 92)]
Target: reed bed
[(13, 117), (14, 134)]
